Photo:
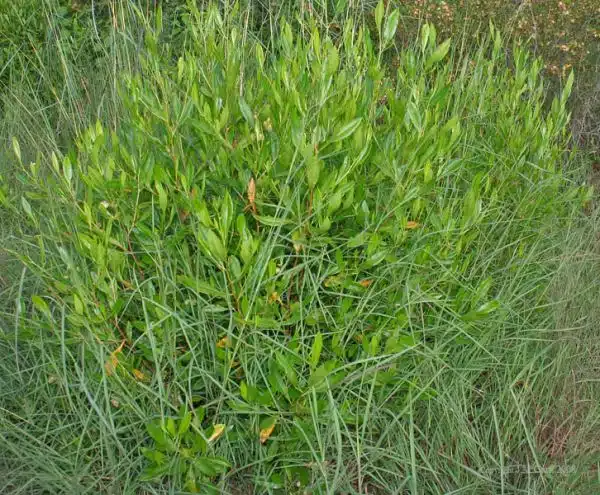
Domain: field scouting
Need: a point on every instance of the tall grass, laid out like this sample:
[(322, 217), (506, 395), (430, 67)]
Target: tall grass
[(258, 258)]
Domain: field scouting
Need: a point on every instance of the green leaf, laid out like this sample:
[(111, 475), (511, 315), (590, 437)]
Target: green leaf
[(16, 148), (358, 240), (226, 214), (424, 37), (200, 286), (482, 312), (391, 24), (438, 54), (287, 368), (67, 169), (211, 466), (379, 11), (568, 86), (318, 376), (40, 304), (202, 212), (315, 353), (340, 6), (246, 111), (272, 221), (184, 424), (171, 426), (260, 55), (234, 267), (153, 455), (246, 392), (159, 19), (346, 130), (334, 202), (79, 308), (154, 472), (313, 170), (213, 244), (276, 381), (159, 435), (427, 173), (26, 206), (333, 60), (398, 343), (162, 197), (247, 248)]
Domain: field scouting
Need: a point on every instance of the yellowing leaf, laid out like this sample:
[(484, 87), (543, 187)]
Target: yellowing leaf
[(217, 432), (113, 361), (412, 225), (365, 283), (265, 433), (275, 297), (224, 342), (111, 364), (251, 191), (139, 375)]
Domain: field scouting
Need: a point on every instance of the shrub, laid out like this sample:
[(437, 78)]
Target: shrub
[(276, 255)]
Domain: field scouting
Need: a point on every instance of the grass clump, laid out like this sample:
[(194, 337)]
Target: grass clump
[(291, 268)]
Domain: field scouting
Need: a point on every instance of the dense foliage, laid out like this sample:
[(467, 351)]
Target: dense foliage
[(276, 256)]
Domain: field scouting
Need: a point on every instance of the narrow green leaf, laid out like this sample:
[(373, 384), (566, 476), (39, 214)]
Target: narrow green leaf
[(391, 24), (313, 170), (315, 353), (246, 111), (272, 221), (158, 434), (26, 206), (287, 368), (346, 130), (67, 169), (438, 54), (226, 214), (79, 308), (213, 244), (379, 11), (162, 197), (40, 304), (358, 240), (333, 60), (260, 55), (568, 86), (171, 426), (199, 286), (211, 466), (16, 148), (424, 37), (154, 472), (482, 312), (184, 424)]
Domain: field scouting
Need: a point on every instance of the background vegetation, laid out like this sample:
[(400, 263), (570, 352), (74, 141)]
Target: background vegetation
[(298, 247)]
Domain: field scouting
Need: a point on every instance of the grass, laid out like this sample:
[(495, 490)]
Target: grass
[(291, 258)]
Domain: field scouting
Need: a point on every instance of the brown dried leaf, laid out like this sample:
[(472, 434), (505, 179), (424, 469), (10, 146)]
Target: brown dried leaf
[(217, 432), (265, 433), (139, 375), (251, 191), (113, 361)]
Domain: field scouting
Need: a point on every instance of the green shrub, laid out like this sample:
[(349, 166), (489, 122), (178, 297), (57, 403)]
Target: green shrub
[(272, 260)]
